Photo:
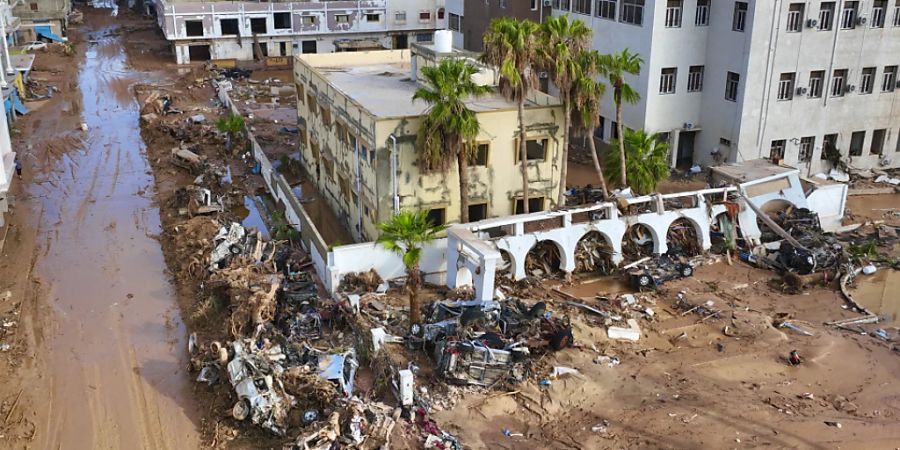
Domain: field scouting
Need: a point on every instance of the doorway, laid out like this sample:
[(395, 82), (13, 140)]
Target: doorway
[(685, 158), (199, 52)]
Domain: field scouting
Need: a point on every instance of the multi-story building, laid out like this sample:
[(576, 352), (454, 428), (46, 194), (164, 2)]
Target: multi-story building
[(469, 19), (359, 127), (246, 30), (733, 80), (9, 24), (42, 19)]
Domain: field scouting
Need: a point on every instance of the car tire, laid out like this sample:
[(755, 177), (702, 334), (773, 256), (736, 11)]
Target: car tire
[(686, 271), (241, 410), (644, 281)]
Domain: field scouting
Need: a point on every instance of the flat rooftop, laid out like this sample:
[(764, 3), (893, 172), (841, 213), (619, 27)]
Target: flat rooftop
[(753, 169), (381, 82)]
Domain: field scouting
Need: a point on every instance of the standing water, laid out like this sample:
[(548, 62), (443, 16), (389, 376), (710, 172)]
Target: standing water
[(118, 362)]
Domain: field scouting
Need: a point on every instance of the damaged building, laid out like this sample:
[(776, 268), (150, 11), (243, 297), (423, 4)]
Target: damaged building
[(42, 19), (359, 124), (225, 30)]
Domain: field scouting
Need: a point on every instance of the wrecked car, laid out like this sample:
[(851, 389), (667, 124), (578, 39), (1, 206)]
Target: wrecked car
[(654, 272)]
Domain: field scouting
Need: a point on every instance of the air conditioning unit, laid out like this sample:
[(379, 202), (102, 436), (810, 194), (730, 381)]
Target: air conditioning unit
[(548, 3), (812, 23), (851, 88), (802, 91), (687, 126), (861, 20), (884, 161)]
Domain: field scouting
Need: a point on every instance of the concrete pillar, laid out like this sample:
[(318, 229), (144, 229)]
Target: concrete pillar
[(484, 280), (452, 260)]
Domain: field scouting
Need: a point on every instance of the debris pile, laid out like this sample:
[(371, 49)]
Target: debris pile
[(593, 254)]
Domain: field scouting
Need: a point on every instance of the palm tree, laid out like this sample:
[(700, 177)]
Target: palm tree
[(646, 160), (405, 234), (561, 43), (449, 125), (614, 67), (511, 45), (586, 95)]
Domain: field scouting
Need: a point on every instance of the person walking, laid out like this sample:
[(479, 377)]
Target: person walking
[(18, 168)]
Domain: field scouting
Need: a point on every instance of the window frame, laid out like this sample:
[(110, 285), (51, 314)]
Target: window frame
[(806, 148), (889, 79), (739, 17), (732, 83), (878, 14), (518, 151), (631, 12), (849, 14), (795, 18), (816, 77), (695, 78), (776, 149), (701, 14), (450, 20), (867, 80), (668, 80), (786, 84), (604, 6), (829, 13), (838, 80), (578, 7), (674, 13)]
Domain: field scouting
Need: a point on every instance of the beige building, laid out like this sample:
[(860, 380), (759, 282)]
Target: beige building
[(358, 131)]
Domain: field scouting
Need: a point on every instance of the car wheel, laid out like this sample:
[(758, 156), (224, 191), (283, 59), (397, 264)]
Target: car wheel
[(644, 281), (241, 410), (687, 271)]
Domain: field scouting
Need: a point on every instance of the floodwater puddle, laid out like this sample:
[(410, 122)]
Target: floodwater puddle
[(878, 293), (251, 216), (608, 286)]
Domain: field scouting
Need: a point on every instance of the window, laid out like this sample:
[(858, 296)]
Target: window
[(454, 22), (258, 26), (732, 82), (424, 16), (826, 16), (400, 17), (344, 184), (229, 27), (480, 158), (282, 20), (301, 92), (440, 14), (477, 212), (534, 205), (424, 37), (889, 79), (373, 17), (632, 12), (725, 142), (838, 82), (701, 16), (193, 28), (897, 17), (879, 7), (437, 216), (739, 21), (342, 18), (667, 80), (598, 133), (877, 145), (673, 13), (534, 5), (866, 80), (308, 47), (561, 4), (856, 143), (806, 148), (326, 115), (504, 4), (816, 80), (829, 145), (776, 153), (535, 150), (795, 18), (328, 165), (34, 6), (614, 130), (606, 9), (582, 7), (695, 79), (848, 15), (308, 20), (786, 86)]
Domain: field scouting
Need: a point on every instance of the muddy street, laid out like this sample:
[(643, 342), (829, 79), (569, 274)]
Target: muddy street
[(115, 345)]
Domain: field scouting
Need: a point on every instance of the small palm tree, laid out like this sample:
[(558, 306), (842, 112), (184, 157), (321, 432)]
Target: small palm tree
[(614, 67), (645, 161), (586, 96), (405, 234), (449, 126), (232, 125), (511, 45), (561, 43)]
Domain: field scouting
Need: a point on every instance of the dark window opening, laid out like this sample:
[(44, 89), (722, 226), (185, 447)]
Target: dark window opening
[(535, 150), (877, 145), (282, 20), (437, 216), (264, 48), (477, 212), (258, 26), (401, 42), (856, 143), (229, 27), (535, 204), (199, 53), (480, 158), (34, 6), (308, 47), (829, 145), (193, 28), (283, 47)]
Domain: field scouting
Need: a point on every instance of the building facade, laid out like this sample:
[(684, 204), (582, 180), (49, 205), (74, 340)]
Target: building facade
[(469, 19), (42, 19), (236, 30), (9, 24), (728, 81), (359, 126)]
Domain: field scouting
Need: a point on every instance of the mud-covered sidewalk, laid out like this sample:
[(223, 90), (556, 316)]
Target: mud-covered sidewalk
[(99, 359)]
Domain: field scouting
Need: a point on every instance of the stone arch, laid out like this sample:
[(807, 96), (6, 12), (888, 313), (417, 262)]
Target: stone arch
[(463, 276), (506, 267), (684, 237), (640, 240), (594, 252), (545, 258)]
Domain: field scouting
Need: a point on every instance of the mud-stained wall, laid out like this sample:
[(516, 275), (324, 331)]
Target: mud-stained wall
[(347, 150)]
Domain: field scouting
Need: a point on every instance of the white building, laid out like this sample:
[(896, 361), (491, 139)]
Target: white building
[(231, 30), (8, 25), (738, 80)]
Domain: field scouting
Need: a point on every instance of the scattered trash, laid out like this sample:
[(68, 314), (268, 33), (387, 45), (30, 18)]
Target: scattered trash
[(610, 361), (869, 269), (560, 371), (793, 327), (633, 333), (508, 433), (794, 358), (601, 427), (833, 424)]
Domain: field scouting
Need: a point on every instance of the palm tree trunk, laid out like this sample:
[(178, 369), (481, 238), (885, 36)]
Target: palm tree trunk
[(523, 154), (415, 280), (463, 162), (567, 112), (593, 147), (623, 177)]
